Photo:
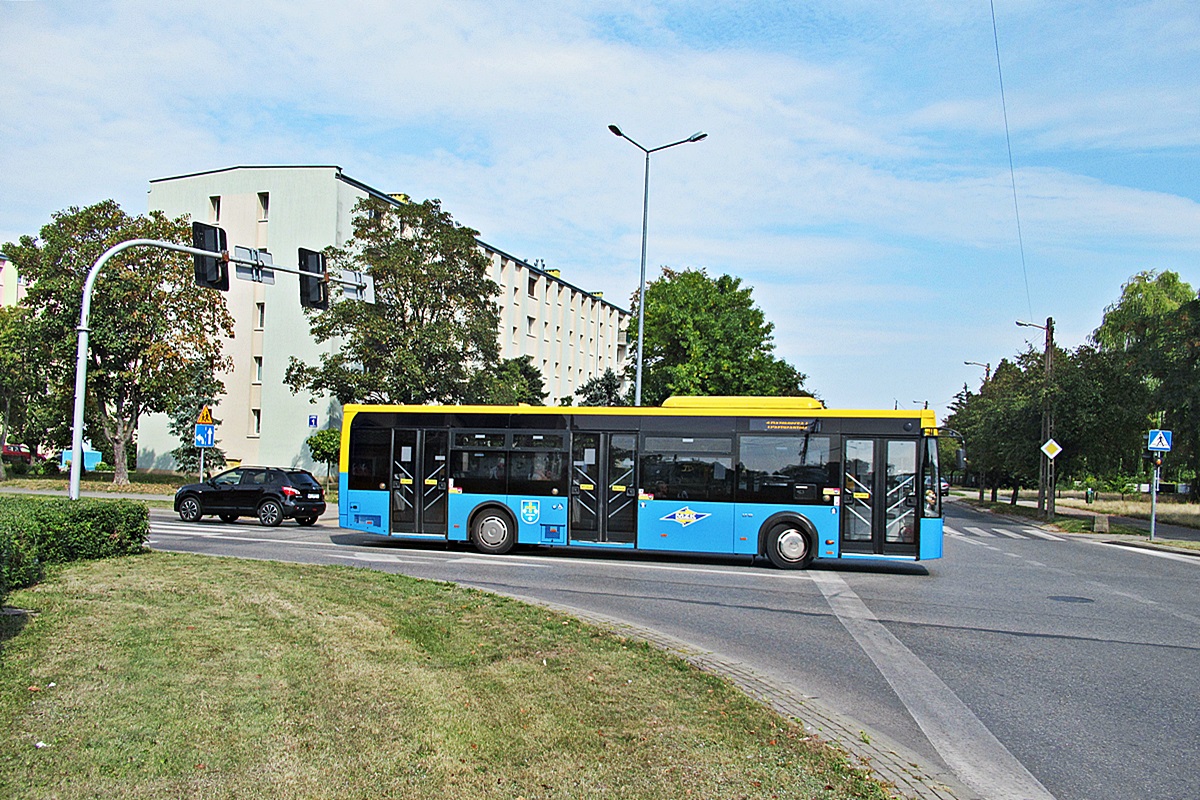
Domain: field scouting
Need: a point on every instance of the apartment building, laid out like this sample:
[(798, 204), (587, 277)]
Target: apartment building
[(571, 334), (12, 288)]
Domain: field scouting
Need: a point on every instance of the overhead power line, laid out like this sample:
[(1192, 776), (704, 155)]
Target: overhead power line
[(1011, 172)]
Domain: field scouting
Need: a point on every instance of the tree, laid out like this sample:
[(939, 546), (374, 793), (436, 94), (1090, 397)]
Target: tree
[(326, 448), (512, 382), (1133, 324), (1151, 333), (705, 336), (433, 325), (603, 390), (202, 390), (147, 318)]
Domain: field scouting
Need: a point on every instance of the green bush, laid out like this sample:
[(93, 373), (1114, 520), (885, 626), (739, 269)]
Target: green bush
[(19, 564), (102, 467), (44, 469), (35, 531)]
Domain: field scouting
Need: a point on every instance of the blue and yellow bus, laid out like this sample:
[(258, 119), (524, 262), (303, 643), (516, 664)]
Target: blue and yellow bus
[(780, 477)]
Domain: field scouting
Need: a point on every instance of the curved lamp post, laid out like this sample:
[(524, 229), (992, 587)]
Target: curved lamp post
[(695, 137)]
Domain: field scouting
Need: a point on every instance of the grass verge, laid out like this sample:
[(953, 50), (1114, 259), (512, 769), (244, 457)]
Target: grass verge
[(169, 675)]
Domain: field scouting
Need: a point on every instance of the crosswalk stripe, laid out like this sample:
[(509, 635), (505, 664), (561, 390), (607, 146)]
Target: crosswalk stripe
[(1043, 535), (982, 532), (1009, 534)]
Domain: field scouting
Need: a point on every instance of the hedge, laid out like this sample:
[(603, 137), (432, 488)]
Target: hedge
[(35, 531)]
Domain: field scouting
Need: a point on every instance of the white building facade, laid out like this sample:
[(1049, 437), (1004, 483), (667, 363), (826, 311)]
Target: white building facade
[(572, 335), (12, 288)]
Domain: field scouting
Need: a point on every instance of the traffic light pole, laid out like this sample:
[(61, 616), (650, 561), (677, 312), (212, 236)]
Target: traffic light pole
[(85, 311), (1154, 496)]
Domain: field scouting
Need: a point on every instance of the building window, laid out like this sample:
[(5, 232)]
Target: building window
[(264, 204), (533, 281), (530, 326), (260, 316), (214, 208), (255, 421), (258, 369)]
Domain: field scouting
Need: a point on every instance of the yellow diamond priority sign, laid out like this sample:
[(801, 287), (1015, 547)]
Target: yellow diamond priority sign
[(1051, 448)]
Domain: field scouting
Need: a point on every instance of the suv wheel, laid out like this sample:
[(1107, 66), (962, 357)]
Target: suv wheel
[(190, 510), (270, 513)]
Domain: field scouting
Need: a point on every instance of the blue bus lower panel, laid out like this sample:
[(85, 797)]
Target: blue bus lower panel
[(540, 520), (362, 510), (932, 532), (678, 526)]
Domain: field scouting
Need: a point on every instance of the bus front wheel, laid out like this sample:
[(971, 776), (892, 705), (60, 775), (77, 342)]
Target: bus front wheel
[(788, 546), (493, 531)]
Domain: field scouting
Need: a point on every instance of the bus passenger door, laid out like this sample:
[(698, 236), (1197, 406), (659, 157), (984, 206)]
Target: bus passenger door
[(880, 496), (419, 481), (604, 488)]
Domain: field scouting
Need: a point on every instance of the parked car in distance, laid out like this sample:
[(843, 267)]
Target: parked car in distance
[(945, 486), (17, 452), (272, 494)]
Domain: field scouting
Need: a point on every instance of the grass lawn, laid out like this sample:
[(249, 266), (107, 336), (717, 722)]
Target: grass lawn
[(169, 675)]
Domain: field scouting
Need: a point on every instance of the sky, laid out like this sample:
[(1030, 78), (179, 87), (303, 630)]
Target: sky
[(856, 173)]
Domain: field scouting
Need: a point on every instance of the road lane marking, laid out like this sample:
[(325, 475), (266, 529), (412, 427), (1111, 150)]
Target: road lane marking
[(982, 532), (961, 739), (1009, 534), (1149, 552), (1043, 535)]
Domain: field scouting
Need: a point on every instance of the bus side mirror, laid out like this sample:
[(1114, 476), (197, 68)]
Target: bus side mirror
[(960, 459)]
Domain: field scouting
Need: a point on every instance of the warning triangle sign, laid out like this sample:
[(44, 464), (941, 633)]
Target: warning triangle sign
[(205, 417)]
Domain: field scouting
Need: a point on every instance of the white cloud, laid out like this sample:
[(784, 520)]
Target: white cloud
[(855, 173)]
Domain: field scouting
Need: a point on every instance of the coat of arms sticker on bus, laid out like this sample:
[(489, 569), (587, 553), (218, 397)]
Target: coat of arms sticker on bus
[(530, 511)]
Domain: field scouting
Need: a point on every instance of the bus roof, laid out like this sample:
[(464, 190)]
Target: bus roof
[(680, 406)]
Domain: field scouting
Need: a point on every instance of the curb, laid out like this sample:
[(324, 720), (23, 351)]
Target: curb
[(885, 759)]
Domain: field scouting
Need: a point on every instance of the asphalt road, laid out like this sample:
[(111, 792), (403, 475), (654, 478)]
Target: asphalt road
[(1024, 664)]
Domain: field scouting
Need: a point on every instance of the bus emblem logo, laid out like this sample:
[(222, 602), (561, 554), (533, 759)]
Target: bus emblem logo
[(685, 516), (530, 511)]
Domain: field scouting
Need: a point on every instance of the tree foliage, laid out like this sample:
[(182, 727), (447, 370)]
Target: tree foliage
[(1141, 370), (604, 390), (432, 328), (514, 381), (326, 448), (705, 336), (147, 319)]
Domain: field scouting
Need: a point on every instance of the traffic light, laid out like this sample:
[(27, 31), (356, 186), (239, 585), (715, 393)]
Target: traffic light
[(211, 271), (314, 291)]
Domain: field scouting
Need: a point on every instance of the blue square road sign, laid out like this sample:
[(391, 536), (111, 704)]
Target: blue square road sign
[(1159, 440), (206, 435)]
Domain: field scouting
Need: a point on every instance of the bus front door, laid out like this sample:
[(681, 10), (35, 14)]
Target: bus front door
[(604, 488), (880, 496), (419, 481)]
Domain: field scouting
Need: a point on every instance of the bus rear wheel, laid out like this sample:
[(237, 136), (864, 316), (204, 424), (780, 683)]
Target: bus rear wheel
[(493, 531), (789, 546)]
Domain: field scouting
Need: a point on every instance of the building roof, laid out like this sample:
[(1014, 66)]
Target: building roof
[(390, 198)]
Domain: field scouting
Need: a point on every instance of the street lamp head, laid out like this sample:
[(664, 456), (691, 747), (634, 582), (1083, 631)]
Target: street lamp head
[(695, 137), (616, 131)]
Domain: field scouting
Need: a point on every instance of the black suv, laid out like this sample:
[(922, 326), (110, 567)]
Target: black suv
[(270, 493)]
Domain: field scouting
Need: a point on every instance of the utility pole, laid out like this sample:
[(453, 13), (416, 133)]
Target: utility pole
[(1046, 476)]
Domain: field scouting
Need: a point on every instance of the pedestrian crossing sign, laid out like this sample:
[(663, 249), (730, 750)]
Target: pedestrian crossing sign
[(205, 417), (1159, 440)]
